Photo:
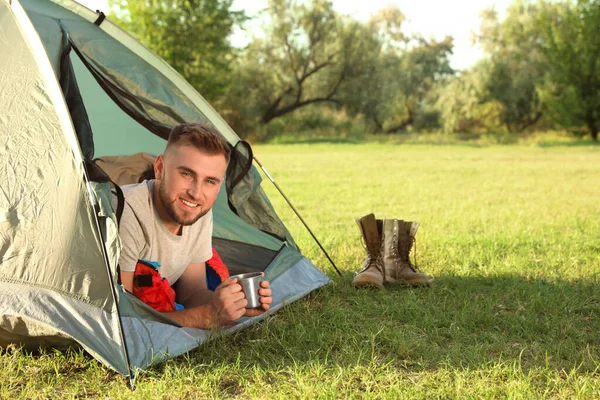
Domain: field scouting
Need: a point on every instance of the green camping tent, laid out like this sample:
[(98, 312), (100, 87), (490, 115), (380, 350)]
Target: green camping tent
[(73, 86)]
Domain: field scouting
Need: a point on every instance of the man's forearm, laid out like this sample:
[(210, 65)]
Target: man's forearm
[(199, 297), (201, 317), (206, 309)]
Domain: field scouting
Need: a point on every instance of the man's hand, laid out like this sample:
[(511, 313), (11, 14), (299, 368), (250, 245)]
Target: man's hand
[(265, 300), (228, 302)]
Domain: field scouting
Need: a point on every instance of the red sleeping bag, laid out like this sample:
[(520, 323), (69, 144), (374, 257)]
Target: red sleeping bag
[(156, 291)]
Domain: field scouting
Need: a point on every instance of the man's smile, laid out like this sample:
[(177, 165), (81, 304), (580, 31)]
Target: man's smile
[(189, 203)]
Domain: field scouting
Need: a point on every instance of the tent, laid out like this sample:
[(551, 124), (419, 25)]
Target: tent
[(74, 87)]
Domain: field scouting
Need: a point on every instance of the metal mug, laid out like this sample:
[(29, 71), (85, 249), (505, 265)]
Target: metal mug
[(250, 283)]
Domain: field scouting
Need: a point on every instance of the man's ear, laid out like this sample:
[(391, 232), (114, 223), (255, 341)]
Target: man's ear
[(159, 166)]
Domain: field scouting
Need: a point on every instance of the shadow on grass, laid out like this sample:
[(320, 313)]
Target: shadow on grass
[(462, 322)]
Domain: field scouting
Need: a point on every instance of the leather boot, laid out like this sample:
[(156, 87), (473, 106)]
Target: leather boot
[(372, 273), (398, 238)]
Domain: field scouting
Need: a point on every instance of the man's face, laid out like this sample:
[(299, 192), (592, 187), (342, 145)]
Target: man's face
[(188, 182)]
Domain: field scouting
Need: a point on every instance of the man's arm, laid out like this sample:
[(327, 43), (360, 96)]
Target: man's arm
[(191, 286), (226, 304), (206, 309), (127, 280)]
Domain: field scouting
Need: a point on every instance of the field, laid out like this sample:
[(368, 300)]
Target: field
[(511, 234)]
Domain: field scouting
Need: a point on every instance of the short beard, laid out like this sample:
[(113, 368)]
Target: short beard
[(168, 204)]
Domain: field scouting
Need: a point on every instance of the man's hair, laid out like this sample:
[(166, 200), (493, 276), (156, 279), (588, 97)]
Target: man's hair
[(203, 137)]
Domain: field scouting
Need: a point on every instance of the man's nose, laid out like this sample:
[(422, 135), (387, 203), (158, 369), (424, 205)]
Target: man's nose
[(195, 190)]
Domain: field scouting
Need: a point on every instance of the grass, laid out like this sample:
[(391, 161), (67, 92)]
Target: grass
[(510, 233)]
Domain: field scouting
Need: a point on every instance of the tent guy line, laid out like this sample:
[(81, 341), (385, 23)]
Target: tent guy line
[(297, 214)]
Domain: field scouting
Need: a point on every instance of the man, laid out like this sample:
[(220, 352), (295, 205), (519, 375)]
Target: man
[(169, 220)]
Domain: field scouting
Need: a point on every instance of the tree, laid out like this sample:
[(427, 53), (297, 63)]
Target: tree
[(517, 63), (464, 102), (570, 41), (401, 73), (191, 35), (420, 68), (305, 56)]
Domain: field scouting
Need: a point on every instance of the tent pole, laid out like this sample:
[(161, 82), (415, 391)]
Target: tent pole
[(297, 213)]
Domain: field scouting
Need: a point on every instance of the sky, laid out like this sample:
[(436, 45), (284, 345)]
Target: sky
[(431, 18)]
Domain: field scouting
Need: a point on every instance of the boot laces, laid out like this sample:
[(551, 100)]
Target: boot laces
[(377, 261), (412, 244)]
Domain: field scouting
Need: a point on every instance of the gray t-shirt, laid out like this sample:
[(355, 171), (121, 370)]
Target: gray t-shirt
[(145, 237)]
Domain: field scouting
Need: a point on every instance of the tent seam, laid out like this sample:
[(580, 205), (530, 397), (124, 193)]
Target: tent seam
[(75, 296)]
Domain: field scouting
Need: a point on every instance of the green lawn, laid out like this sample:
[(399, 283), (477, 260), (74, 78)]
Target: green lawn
[(510, 233)]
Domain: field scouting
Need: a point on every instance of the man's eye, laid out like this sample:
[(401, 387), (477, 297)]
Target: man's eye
[(186, 174), (212, 181)]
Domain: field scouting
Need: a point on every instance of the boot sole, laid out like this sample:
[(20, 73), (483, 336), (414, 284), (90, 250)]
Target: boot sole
[(367, 284)]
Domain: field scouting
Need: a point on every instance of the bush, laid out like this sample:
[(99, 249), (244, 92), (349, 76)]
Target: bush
[(311, 123)]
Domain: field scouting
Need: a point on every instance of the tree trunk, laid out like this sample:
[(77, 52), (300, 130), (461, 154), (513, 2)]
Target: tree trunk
[(378, 124), (402, 125), (530, 122), (592, 126), (275, 111)]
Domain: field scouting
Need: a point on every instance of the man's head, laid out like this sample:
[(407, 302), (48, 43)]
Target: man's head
[(189, 175)]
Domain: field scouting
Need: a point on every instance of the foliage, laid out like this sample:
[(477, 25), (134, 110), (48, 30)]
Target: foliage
[(465, 104), (191, 35), (517, 65), (541, 71), (310, 124), (400, 73), (544, 62), (301, 59), (311, 55), (570, 41)]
